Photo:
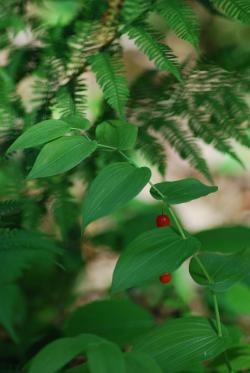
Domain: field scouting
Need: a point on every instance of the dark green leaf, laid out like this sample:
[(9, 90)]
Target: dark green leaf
[(181, 191), (120, 321), (116, 133), (57, 354), (177, 342), (77, 121), (105, 357), (237, 299), (40, 133), (224, 270), (239, 358), (150, 255), (61, 155), (139, 362), (114, 186), (225, 239), (237, 9)]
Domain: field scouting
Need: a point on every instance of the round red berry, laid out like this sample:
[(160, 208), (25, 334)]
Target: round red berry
[(162, 221), (166, 278)]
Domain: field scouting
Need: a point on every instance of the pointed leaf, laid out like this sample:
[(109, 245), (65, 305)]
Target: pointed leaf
[(150, 255), (61, 155), (114, 186), (40, 133), (105, 357), (177, 342), (181, 191), (224, 270), (120, 321), (237, 9), (116, 133)]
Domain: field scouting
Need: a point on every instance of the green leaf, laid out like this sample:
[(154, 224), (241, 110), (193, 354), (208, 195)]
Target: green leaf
[(20, 249), (57, 354), (61, 155), (181, 19), (77, 121), (113, 187), (224, 270), (177, 342), (110, 76), (39, 134), (11, 305), (239, 358), (150, 255), (120, 321), (116, 133), (159, 53), (225, 239), (181, 191), (237, 299), (105, 357), (237, 9), (139, 362)]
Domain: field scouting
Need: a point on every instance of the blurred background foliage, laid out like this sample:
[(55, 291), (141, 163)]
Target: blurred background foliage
[(37, 38)]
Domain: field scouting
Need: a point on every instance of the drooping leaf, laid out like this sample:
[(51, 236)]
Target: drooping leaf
[(225, 239), (116, 133), (237, 9), (61, 155), (58, 353), (40, 133), (113, 187), (150, 255), (105, 357), (110, 76), (120, 321), (11, 306), (177, 342), (20, 248), (181, 19), (157, 52), (224, 270), (139, 362), (181, 191)]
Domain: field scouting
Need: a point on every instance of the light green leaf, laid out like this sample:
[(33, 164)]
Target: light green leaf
[(61, 155), (20, 249), (237, 299), (105, 357), (116, 133), (40, 133), (224, 270), (237, 9), (139, 362), (150, 255), (181, 19), (57, 354), (181, 191), (113, 187), (225, 239), (77, 121), (177, 342), (11, 306), (120, 321)]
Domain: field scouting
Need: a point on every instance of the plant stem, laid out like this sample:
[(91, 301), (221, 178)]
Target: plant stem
[(217, 314)]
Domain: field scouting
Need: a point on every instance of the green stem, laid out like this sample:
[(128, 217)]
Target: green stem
[(217, 315)]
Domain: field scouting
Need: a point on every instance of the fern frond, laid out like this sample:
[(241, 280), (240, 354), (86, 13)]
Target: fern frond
[(181, 19), (156, 52), (152, 150), (237, 9), (133, 9), (109, 73)]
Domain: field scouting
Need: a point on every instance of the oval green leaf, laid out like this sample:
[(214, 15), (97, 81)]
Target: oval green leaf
[(150, 255), (120, 321), (77, 121), (224, 270), (181, 191), (225, 239), (61, 155), (105, 357), (114, 186), (178, 342), (39, 134), (117, 133)]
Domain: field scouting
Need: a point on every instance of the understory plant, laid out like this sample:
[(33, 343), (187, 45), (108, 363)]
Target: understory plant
[(62, 138)]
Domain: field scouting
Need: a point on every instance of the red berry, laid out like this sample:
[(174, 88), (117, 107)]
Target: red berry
[(166, 278), (162, 221)]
